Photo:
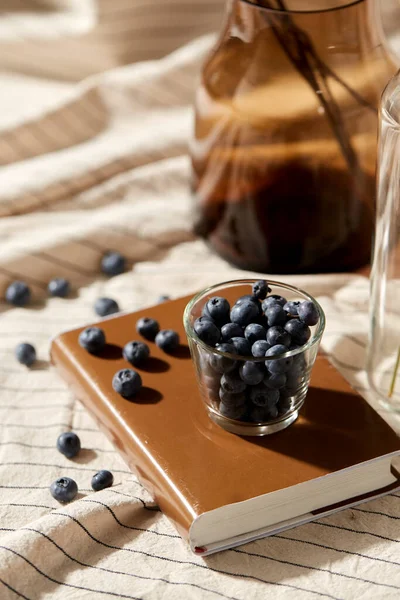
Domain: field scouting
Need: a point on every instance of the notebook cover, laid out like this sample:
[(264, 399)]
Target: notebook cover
[(181, 456)]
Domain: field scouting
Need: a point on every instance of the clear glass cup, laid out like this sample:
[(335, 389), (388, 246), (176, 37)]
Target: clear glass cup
[(384, 335), (209, 362)]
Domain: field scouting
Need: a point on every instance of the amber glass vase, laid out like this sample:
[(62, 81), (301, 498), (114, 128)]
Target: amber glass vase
[(285, 140)]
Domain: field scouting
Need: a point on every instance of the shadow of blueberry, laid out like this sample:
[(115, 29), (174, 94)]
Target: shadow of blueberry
[(182, 352), (111, 352), (147, 395), (154, 365)]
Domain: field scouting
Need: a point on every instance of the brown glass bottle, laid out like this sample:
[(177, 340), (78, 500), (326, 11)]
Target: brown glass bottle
[(284, 149)]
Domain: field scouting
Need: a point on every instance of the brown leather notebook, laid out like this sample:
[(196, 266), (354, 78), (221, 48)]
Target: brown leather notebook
[(219, 489)]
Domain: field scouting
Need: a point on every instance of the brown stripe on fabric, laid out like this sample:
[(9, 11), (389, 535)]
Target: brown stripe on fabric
[(7, 585)]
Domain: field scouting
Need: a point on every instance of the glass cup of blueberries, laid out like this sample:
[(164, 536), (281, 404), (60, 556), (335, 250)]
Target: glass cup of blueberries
[(253, 344)]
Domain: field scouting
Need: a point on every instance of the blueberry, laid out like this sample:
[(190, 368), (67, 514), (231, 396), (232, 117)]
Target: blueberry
[(259, 348), (148, 328), (58, 287), (260, 289), (246, 298), (92, 339), (231, 399), (277, 335), (293, 381), (275, 381), (105, 306), (275, 315), (263, 396), (103, 479), (64, 489), (212, 382), (223, 364), (245, 313), (254, 332), (25, 354), (271, 300), (218, 309), (291, 307), (241, 345), (261, 414), (68, 444), (231, 411), (231, 330), (167, 340), (207, 330), (252, 373), (285, 404), (308, 313), (299, 331), (279, 365), (232, 383), (127, 383), (113, 263), (258, 414), (136, 353), (18, 293), (163, 298)]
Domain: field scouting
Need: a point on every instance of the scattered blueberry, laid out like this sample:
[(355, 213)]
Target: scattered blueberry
[(245, 313), (69, 444), (275, 381), (231, 411), (25, 354), (231, 330), (163, 298), (102, 480), (299, 331), (254, 332), (279, 365), (127, 383), (167, 340), (232, 383), (113, 263), (260, 289), (18, 293), (241, 345), (252, 373), (263, 396), (291, 307), (277, 335), (92, 339), (218, 309), (259, 348), (275, 315), (64, 489), (207, 330), (308, 313), (105, 306), (223, 364), (58, 287), (136, 353), (148, 328)]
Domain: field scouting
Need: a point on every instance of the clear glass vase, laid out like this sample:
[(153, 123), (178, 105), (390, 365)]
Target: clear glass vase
[(284, 148), (383, 363)]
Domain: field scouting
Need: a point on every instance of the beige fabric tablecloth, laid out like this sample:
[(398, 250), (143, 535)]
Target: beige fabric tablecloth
[(98, 161)]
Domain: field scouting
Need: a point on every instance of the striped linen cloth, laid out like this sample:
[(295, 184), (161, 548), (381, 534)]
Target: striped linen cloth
[(98, 161)]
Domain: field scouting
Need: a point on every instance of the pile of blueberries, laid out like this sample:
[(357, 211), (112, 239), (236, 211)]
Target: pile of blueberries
[(127, 382), (259, 325), (64, 489)]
